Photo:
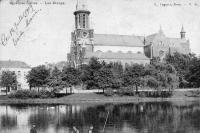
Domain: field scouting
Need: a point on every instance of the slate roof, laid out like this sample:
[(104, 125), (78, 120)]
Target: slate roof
[(156, 36), (116, 55), (13, 64), (117, 40), (151, 37)]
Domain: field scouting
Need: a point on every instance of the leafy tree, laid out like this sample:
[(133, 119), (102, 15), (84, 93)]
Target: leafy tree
[(193, 76), (70, 76), (133, 75), (91, 74), (152, 82), (8, 80), (181, 62), (38, 76), (55, 80), (104, 78), (161, 75), (89, 71), (94, 64), (85, 74), (117, 71)]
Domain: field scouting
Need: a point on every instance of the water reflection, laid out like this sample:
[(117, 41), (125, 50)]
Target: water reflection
[(8, 121), (150, 117)]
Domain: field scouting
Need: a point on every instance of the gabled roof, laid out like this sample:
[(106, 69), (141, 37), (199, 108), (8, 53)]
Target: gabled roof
[(150, 39), (13, 64), (117, 40), (117, 55)]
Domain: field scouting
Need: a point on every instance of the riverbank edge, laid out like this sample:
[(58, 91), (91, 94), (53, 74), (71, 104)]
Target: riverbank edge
[(93, 98)]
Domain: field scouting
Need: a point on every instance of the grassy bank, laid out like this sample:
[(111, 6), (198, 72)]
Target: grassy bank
[(96, 98)]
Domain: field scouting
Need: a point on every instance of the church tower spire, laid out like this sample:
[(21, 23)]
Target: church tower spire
[(81, 15), (182, 33)]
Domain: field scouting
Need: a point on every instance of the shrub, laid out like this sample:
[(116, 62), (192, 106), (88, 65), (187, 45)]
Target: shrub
[(109, 92), (92, 88), (33, 94), (23, 94), (129, 91), (142, 94), (120, 92), (195, 93), (159, 94), (46, 94)]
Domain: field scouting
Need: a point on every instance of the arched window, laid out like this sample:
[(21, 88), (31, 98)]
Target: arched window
[(83, 20), (79, 20)]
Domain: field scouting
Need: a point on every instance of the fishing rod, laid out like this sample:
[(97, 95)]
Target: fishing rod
[(105, 122)]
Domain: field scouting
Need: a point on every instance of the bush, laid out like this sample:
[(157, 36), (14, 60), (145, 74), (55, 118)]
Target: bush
[(23, 94), (162, 94), (129, 91), (142, 94), (33, 94), (92, 88), (46, 94), (194, 93), (120, 92), (109, 92)]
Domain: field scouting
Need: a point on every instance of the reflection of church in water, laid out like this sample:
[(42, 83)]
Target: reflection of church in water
[(118, 48)]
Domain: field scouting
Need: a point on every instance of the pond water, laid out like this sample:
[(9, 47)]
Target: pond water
[(148, 117)]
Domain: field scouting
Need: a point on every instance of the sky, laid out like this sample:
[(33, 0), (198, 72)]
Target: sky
[(47, 37)]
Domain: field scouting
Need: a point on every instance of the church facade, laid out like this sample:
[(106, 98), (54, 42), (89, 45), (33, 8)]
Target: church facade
[(158, 44), (126, 49)]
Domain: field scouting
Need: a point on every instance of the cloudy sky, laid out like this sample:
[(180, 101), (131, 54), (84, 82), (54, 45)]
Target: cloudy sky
[(47, 37)]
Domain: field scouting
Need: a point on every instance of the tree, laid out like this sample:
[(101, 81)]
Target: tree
[(161, 75), (38, 77), (193, 76), (8, 80), (104, 78), (152, 82), (55, 80), (94, 64), (89, 71), (70, 76), (117, 71), (85, 74), (181, 62), (133, 75)]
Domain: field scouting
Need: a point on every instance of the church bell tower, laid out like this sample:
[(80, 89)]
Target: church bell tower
[(82, 36), (81, 15)]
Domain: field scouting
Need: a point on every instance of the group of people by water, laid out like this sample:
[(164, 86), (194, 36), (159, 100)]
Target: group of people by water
[(75, 130)]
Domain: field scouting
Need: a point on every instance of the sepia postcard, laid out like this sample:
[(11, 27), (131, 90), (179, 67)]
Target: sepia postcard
[(99, 66)]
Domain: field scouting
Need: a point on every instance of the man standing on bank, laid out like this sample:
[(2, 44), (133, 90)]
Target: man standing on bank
[(90, 130), (33, 129), (75, 129)]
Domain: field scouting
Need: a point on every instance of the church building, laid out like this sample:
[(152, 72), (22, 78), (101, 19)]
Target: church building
[(158, 44), (127, 49)]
